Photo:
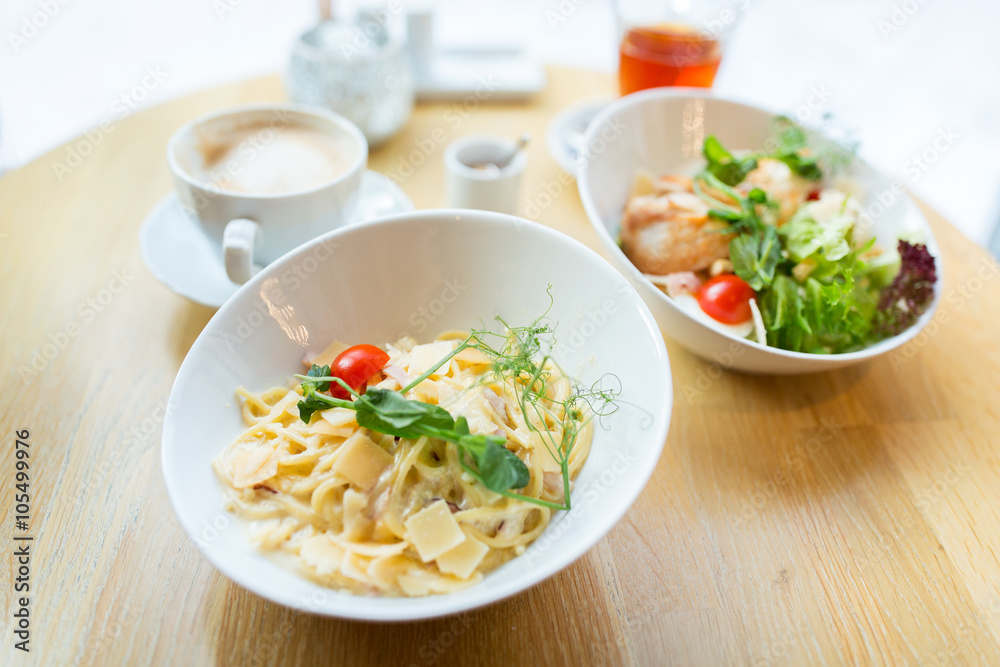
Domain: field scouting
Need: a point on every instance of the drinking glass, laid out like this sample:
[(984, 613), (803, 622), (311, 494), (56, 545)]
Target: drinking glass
[(673, 42)]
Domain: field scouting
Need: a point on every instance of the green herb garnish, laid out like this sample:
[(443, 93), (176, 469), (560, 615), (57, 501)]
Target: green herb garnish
[(789, 142), (755, 251), (392, 413), (723, 165), (755, 256), (520, 356)]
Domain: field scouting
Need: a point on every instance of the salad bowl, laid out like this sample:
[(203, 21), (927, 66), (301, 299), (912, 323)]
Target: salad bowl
[(662, 131), (417, 274)]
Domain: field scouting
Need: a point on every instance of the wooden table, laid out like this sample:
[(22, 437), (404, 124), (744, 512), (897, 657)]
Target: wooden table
[(847, 517)]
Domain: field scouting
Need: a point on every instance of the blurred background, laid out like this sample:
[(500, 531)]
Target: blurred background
[(916, 81)]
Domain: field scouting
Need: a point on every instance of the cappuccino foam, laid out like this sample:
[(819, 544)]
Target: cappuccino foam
[(271, 160)]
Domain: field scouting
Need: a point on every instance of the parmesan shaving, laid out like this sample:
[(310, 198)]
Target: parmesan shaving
[(433, 531), (362, 461), (463, 559)]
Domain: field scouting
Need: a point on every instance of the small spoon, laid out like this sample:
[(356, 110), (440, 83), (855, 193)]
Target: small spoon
[(492, 169), (521, 143)]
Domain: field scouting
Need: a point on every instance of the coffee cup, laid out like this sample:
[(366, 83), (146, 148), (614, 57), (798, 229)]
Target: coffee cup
[(262, 179)]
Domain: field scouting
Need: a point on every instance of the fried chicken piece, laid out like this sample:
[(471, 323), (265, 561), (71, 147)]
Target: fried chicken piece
[(672, 232)]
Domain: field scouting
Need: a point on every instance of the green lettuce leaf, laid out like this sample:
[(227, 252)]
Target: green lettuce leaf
[(821, 228), (755, 255)]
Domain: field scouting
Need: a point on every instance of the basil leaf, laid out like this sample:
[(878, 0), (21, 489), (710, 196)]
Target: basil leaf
[(317, 372), (371, 420), (311, 403), (499, 468), (381, 409)]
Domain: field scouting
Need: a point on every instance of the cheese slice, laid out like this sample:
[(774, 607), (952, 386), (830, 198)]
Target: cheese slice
[(433, 531), (361, 461), (322, 554), (355, 566), (421, 582), (370, 549), (472, 405), (384, 570), (288, 403), (463, 559), (413, 584), (426, 391), (339, 417), (356, 524), (327, 356), (470, 356), (422, 357), (322, 426), (254, 466)]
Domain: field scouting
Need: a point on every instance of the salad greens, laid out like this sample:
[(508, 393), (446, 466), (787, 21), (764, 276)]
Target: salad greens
[(521, 358), (818, 289), (756, 250), (910, 292), (789, 141), (786, 145), (804, 237), (723, 166)]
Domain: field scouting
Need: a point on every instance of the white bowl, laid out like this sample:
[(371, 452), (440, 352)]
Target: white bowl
[(418, 274), (662, 130)]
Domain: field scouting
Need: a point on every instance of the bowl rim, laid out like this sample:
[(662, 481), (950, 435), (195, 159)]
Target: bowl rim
[(622, 260), (337, 603)]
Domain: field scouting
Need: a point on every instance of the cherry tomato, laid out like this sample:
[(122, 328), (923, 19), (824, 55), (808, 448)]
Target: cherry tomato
[(726, 298), (355, 366)]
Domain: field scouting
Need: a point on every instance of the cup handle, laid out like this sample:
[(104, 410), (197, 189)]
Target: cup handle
[(238, 242)]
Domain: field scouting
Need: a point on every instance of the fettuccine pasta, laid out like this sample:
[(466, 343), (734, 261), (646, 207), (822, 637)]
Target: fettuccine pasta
[(365, 512)]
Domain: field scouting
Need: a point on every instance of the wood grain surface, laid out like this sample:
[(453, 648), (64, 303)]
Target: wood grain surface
[(841, 518)]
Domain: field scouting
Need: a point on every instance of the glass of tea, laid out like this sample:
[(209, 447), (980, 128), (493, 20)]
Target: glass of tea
[(673, 42)]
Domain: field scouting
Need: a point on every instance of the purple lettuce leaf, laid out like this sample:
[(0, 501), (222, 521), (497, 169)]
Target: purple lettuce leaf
[(911, 292)]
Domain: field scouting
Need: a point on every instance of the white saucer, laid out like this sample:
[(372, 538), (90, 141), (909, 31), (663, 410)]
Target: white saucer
[(181, 257), (564, 134)]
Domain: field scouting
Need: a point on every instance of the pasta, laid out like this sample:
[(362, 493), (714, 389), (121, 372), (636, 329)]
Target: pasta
[(369, 513)]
